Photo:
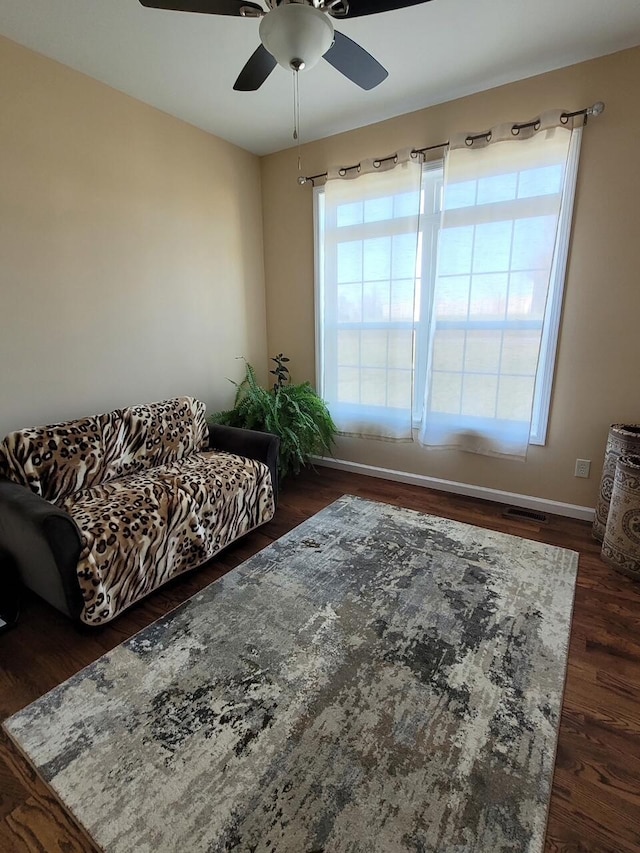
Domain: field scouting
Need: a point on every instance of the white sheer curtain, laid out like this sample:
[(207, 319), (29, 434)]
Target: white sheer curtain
[(367, 295), (501, 207)]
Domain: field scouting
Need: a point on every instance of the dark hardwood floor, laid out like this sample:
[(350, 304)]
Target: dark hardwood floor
[(595, 804)]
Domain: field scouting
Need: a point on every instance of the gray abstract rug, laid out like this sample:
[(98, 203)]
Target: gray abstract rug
[(378, 680)]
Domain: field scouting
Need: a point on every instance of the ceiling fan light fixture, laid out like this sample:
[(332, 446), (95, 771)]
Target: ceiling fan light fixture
[(296, 35)]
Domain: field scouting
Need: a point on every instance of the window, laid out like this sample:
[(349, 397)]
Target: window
[(444, 315)]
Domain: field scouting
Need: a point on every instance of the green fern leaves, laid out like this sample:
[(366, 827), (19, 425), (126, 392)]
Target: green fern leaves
[(295, 413)]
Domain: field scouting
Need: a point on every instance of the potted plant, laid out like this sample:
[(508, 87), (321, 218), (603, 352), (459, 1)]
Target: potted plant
[(295, 413)]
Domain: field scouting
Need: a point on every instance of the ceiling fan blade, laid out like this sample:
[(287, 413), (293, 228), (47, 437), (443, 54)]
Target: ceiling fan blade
[(256, 71), (208, 7), (354, 62), (357, 8)]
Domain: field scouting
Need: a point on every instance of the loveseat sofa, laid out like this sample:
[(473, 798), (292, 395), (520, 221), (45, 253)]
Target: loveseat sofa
[(98, 512)]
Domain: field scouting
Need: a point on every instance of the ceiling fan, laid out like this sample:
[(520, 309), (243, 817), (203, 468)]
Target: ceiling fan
[(297, 33)]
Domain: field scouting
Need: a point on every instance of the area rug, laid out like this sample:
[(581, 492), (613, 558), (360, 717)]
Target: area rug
[(377, 680)]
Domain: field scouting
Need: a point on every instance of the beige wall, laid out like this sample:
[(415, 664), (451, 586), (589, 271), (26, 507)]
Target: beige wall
[(131, 264), (598, 366)]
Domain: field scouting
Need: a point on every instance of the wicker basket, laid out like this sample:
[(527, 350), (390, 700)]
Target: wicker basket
[(621, 544), (623, 440)]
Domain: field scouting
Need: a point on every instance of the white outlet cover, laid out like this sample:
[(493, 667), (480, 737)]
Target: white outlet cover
[(583, 468)]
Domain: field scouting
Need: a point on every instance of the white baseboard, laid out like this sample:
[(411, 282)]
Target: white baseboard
[(584, 513)]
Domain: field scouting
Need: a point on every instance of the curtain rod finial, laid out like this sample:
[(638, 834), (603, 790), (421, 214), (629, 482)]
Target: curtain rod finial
[(597, 109), (302, 180)]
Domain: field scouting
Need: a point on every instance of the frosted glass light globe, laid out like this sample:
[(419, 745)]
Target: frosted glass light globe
[(296, 35)]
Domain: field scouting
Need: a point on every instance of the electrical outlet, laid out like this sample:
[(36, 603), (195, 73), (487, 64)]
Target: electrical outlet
[(583, 467)]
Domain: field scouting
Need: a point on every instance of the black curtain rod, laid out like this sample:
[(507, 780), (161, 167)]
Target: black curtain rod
[(595, 110)]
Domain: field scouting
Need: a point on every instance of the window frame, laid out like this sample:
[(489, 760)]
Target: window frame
[(550, 335)]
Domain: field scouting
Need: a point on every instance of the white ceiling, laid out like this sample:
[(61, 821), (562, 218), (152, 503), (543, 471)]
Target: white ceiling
[(186, 64)]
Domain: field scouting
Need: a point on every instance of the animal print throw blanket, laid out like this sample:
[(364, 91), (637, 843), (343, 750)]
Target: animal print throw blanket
[(150, 501)]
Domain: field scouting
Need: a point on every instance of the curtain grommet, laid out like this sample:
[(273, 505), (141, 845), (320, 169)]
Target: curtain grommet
[(515, 130)]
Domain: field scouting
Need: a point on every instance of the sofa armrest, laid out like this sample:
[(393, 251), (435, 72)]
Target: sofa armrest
[(263, 446), (43, 542)]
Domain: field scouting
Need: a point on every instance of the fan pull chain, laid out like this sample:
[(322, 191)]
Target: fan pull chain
[(296, 115)]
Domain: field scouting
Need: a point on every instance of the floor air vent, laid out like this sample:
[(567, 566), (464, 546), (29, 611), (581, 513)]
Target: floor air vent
[(525, 514)]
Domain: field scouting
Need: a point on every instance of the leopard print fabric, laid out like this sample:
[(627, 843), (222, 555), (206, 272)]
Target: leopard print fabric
[(59, 460), (157, 434), (148, 502), (142, 529)]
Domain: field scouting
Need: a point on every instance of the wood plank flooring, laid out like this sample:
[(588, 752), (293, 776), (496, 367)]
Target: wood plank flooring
[(595, 804)]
